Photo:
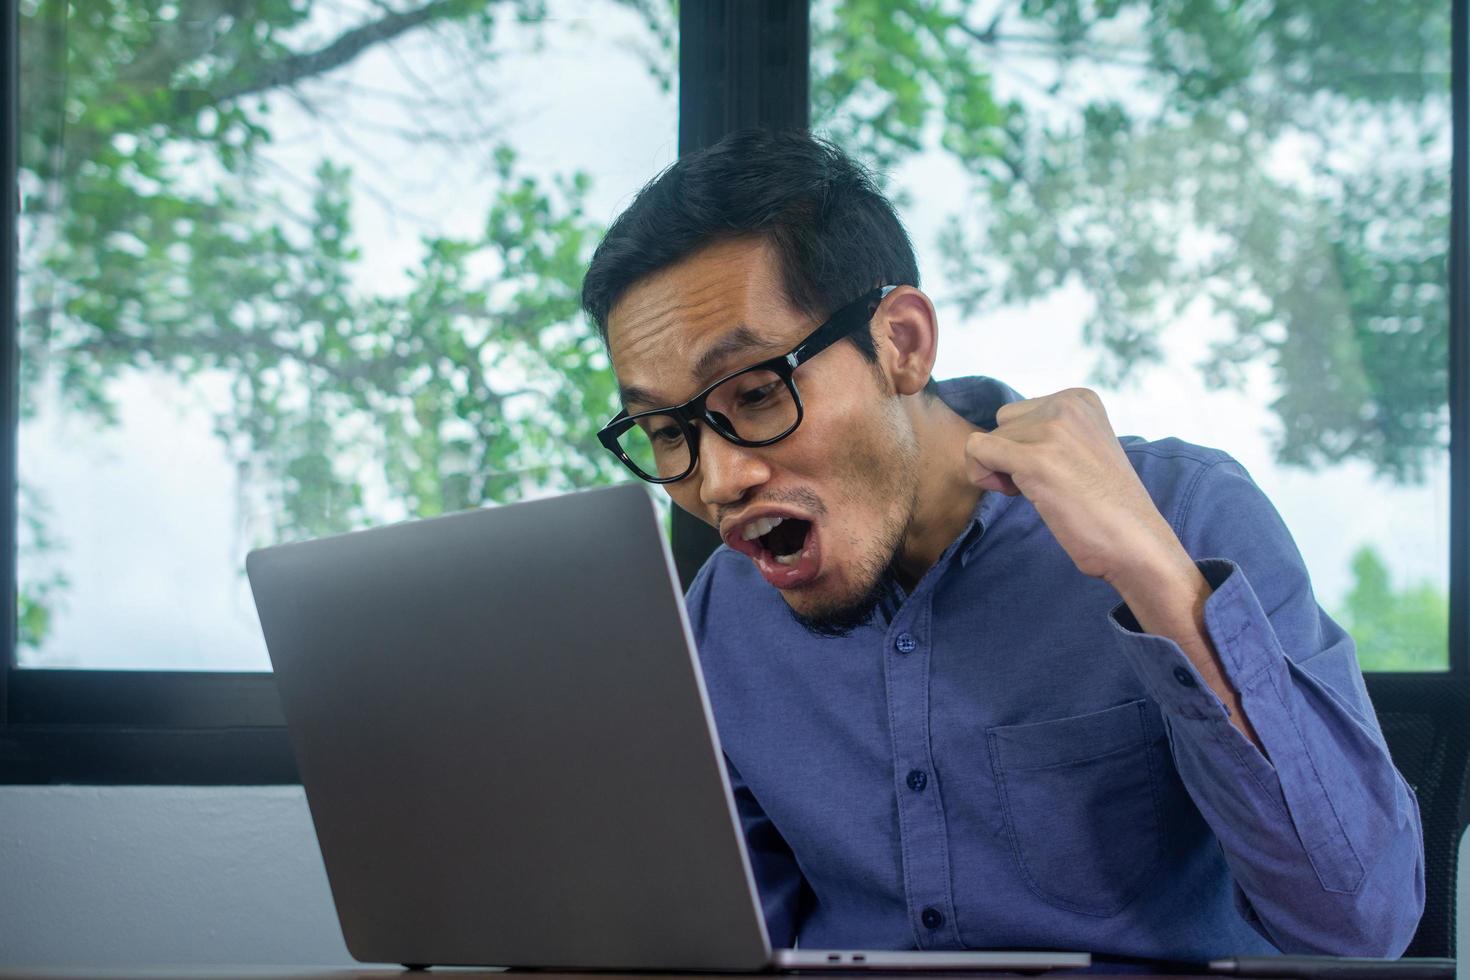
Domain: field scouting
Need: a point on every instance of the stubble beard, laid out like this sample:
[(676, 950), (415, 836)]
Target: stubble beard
[(877, 571), (841, 616)]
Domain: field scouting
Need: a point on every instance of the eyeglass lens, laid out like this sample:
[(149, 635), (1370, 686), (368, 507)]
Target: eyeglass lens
[(754, 406)]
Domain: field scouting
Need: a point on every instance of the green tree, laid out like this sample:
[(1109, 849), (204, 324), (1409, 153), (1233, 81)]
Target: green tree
[(1395, 629), (156, 239), (1284, 163)]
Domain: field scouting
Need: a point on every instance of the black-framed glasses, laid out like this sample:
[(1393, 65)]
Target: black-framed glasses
[(756, 406)]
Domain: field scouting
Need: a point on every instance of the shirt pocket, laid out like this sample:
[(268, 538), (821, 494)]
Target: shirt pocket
[(1080, 798)]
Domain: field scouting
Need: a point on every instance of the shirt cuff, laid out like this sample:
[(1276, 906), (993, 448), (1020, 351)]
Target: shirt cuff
[(1172, 680), (1285, 811)]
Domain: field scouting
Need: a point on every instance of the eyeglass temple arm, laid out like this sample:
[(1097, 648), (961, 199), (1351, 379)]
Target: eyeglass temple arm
[(839, 326)]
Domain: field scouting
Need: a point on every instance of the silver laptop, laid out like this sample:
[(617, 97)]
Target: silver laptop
[(508, 751)]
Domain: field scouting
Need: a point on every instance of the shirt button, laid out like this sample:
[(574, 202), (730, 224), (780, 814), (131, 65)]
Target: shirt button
[(1184, 677), (917, 780), (905, 643), (932, 918)]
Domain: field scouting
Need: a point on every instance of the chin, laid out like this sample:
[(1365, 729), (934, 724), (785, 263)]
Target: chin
[(832, 613)]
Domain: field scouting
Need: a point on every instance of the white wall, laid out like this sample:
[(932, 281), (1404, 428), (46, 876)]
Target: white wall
[(162, 875)]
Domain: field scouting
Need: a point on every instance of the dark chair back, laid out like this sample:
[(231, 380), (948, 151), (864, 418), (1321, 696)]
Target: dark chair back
[(1426, 721)]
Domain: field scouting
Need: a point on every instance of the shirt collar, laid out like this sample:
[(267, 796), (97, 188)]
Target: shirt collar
[(976, 400)]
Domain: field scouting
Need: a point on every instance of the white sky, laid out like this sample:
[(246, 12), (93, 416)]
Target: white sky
[(154, 529)]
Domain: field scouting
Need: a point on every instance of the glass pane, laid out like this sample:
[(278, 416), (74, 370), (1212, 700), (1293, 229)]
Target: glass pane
[(656, 445), (1230, 219), (755, 405), (301, 270)]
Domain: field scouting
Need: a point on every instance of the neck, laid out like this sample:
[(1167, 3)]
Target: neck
[(946, 497)]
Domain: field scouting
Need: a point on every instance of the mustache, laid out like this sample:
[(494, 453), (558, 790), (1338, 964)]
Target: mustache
[(798, 497)]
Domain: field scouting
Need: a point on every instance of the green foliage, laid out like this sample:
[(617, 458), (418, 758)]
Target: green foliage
[(40, 595), (156, 246), (1395, 630), (1284, 163), (155, 241)]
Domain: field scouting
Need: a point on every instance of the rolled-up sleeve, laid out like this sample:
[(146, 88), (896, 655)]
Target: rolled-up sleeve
[(1321, 833)]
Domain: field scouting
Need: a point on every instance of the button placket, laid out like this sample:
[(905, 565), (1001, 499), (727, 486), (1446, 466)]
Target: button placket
[(923, 835)]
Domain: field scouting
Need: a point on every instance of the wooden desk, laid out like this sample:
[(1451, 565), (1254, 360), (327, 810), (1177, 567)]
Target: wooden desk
[(456, 973)]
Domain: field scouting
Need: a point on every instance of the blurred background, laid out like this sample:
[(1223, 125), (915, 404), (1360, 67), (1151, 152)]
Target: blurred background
[(294, 267)]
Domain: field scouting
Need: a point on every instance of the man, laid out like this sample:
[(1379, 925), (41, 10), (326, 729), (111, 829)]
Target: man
[(984, 675)]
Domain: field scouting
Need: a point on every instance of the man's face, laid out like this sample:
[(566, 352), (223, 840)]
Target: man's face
[(843, 483)]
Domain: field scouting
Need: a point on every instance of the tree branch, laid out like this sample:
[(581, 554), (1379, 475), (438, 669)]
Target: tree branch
[(225, 347), (182, 41), (1104, 54), (350, 44)]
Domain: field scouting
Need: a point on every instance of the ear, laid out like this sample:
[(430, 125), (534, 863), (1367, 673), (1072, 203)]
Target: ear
[(907, 333)]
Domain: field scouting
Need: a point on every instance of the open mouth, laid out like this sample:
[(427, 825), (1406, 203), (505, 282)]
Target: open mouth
[(783, 547), (782, 538)]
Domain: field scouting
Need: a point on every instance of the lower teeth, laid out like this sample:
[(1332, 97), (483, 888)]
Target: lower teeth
[(790, 559)]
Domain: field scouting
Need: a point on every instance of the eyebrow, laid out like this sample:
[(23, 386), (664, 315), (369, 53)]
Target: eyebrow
[(737, 341)]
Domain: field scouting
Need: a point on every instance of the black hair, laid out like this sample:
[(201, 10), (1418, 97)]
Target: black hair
[(834, 234)]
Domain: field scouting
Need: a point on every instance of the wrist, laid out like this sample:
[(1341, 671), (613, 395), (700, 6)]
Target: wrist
[(1162, 587)]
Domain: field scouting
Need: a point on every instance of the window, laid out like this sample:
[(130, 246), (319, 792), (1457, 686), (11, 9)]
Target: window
[(279, 277), (1232, 220), (298, 272)]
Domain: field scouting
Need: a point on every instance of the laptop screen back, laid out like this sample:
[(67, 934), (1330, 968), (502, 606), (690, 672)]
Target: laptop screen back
[(505, 743)]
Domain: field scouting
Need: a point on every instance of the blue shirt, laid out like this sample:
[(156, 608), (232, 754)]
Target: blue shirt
[(1001, 758)]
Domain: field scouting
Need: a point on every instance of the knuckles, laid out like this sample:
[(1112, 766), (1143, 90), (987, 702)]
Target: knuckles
[(1072, 403), (1081, 402), (1052, 428)]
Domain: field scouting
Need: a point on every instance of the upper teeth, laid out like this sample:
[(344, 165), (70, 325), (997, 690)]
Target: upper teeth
[(759, 526)]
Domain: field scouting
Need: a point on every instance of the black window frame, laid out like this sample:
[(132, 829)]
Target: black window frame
[(740, 64)]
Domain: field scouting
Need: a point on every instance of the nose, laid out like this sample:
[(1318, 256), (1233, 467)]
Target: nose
[(727, 472)]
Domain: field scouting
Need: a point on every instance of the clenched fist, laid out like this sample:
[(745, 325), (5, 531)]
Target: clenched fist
[(1061, 453)]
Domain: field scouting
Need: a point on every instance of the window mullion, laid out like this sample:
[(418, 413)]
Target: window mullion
[(741, 65)]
